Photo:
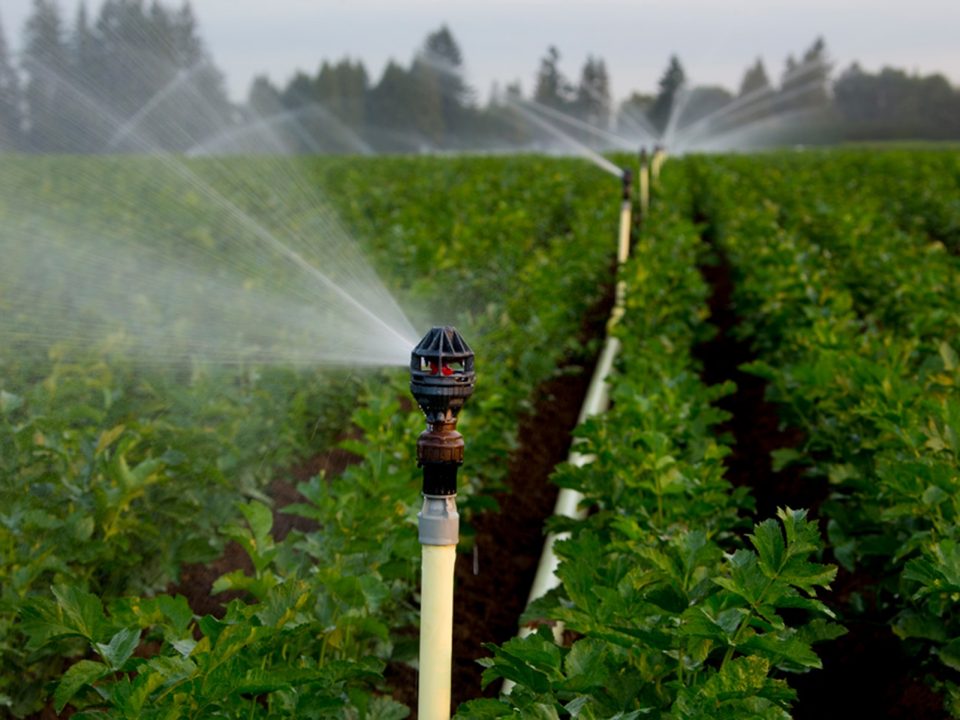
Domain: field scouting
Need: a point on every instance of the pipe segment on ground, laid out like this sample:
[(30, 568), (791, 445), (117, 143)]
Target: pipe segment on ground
[(596, 402)]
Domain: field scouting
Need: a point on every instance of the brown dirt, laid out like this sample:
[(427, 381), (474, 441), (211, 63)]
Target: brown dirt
[(866, 673), (754, 425)]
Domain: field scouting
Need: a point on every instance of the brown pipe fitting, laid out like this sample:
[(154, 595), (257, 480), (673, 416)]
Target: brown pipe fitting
[(440, 443)]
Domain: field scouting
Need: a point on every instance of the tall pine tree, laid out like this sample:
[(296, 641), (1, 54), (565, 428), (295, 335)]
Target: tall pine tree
[(11, 138), (551, 87), (754, 79), (671, 82), (593, 93), (805, 85), (89, 127), (45, 61), (442, 54)]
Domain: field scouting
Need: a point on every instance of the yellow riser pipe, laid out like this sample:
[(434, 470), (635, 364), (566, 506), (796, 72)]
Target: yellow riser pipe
[(644, 186), (436, 631)]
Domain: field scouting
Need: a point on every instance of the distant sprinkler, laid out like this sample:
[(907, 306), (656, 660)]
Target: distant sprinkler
[(626, 202), (626, 180), (643, 183), (441, 379)]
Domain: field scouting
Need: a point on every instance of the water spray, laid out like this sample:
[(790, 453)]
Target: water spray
[(441, 379)]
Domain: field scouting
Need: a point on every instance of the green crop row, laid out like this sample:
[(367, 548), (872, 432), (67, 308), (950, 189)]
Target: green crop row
[(853, 308), (115, 474), (677, 609)]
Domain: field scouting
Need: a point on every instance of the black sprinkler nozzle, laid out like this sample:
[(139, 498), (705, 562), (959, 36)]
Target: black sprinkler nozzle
[(441, 373), (441, 379), (626, 178)]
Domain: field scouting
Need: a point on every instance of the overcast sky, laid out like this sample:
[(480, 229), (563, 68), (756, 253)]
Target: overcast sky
[(503, 40)]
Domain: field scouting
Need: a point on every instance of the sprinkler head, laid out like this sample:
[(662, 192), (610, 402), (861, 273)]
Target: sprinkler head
[(441, 374), (626, 178), (441, 380)]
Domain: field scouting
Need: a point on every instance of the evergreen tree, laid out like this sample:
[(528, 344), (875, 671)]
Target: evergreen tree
[(354, 84), (390, 100), (299, 92), (551, 87), (327, 88), (10, 121), (82, 44), (153, 79), (128, 70), (207, 88), (670, 84), (593, 93), (186, 40), (442, 57), (805, 85), (757, 95), (893, 105), (89, 128), (264, 99), (754, 79), (342, 89), (632, 115), (47, 70), (426, 103)]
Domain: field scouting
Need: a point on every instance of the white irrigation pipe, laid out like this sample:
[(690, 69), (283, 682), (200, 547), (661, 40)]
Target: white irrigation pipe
[(436, 632), (596, 402), (643, 184)]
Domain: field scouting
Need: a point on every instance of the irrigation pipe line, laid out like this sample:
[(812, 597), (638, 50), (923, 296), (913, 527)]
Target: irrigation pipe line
[(596, 402)]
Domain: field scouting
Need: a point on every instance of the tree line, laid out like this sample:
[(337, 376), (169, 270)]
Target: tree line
[(138, 77)]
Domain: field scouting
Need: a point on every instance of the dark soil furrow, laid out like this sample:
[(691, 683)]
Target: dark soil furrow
[(866, 673), (488, 603)]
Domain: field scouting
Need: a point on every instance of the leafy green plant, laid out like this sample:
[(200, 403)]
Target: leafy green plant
[(679, 630), (525, 243), (861, 357), (671, 615)]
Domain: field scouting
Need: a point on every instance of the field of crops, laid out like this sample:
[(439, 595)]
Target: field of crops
[(773, 495)]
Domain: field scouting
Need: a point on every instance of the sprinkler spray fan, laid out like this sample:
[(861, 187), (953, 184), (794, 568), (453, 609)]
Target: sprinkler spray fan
[(441, 379)]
